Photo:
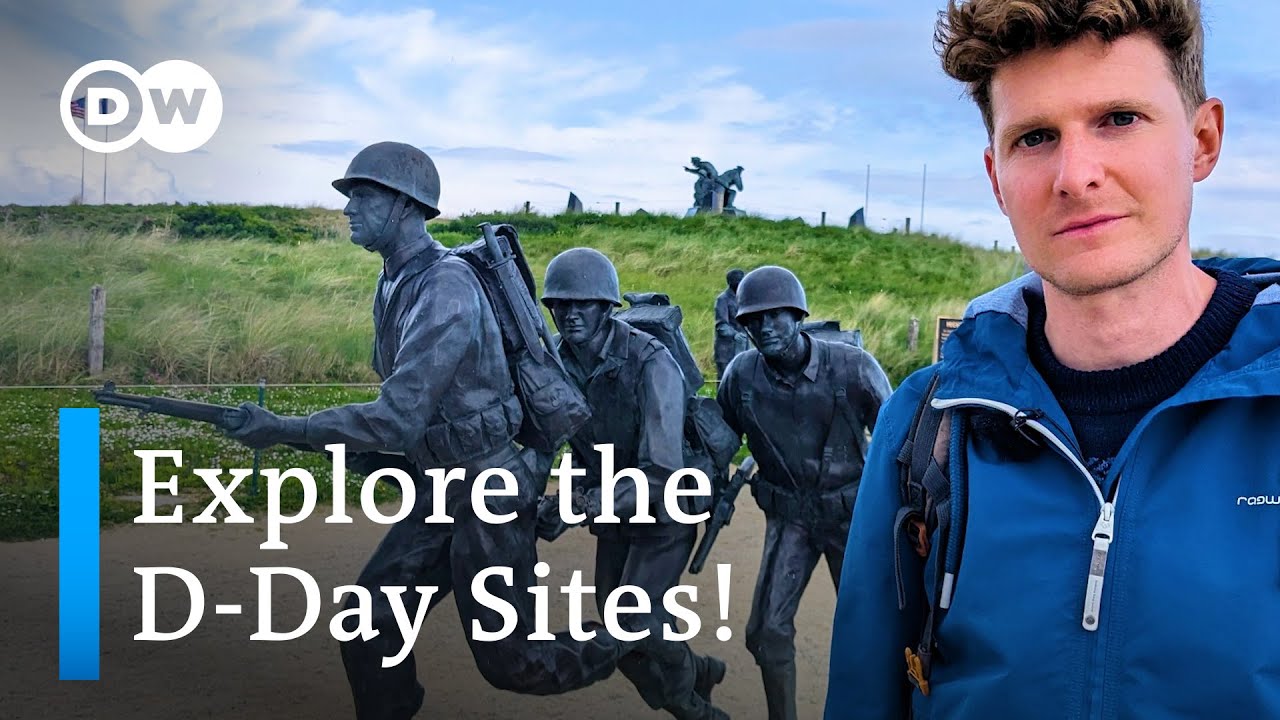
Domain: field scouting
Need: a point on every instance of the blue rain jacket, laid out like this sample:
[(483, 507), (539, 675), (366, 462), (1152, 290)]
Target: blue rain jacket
[(1186, 620)]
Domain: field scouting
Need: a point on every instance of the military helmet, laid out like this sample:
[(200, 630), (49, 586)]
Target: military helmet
[(581, 273), (768, 288), (397, 166)]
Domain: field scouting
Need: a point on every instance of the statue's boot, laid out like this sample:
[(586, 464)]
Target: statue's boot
[(711, 672), (686, 679), (780, 690)]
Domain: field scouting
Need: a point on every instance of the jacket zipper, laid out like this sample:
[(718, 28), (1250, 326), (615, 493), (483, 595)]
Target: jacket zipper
[(1103, 530)]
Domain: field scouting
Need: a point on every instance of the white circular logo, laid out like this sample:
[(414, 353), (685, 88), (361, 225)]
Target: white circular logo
[(181, 106)]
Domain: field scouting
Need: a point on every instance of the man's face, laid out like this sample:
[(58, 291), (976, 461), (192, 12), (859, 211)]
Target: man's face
[(579, 320), (772, 331), (1093, 158), (367, 209)]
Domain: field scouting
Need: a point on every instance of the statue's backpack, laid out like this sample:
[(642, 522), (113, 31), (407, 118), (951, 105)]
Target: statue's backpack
[(653, 313), (709, 442), (554, 408), (830, 331)]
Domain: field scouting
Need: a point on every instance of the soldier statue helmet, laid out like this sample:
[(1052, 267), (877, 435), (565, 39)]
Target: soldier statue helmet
[(581, 291), (581, 274), (400, 167), (769, 288), (392, 189)]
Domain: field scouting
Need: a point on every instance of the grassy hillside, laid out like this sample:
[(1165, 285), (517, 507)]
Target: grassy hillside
[(229, 293)]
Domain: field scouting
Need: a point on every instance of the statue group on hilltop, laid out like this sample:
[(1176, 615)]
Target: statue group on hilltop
[(712, 191), (455, 356)]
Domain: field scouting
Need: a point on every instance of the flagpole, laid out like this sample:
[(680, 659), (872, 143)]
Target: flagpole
[(84, 125)]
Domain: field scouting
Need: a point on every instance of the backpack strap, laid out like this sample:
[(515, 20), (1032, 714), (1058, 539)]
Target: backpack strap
[(1263, 280), (415, 266), (750, 416), (921, 479), (839, 407), (925, 489)]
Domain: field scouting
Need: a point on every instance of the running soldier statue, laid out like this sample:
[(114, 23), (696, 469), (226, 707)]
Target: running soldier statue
[(447, 400), (807, 407), (637, 396)]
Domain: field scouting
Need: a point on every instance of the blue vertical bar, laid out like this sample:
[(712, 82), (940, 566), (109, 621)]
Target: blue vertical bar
[(78, 621)]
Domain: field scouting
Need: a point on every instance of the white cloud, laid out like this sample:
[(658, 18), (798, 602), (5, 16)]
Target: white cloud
[(294, 74)]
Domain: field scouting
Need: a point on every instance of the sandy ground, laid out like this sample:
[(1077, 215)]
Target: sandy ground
[(217, 672)]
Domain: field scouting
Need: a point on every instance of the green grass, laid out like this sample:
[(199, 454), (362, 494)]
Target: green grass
[(210, 310), (289, 225), (232, 293)]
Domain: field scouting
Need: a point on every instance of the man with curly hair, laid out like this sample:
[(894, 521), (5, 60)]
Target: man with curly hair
[(1088, 530)]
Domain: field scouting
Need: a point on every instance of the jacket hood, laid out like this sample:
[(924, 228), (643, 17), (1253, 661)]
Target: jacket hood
[(1243, 266), (987, 356)]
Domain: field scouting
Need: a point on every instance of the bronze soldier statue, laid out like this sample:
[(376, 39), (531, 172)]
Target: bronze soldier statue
[(447, 401), (806, 407), (706, 184), (731, 338), (636, 392), (728, 181)]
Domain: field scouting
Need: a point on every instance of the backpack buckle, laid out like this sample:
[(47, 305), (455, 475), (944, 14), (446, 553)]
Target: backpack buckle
[(918, 534), (918, 669)]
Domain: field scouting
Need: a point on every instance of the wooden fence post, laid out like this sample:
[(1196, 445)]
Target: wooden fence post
[(913, 335), (97, 327)]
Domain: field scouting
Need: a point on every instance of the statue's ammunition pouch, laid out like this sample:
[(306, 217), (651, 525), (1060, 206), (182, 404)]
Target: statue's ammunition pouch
[(806, 507), (456, 441)]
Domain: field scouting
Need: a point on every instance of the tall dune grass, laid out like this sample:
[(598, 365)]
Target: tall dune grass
[(218, 310)]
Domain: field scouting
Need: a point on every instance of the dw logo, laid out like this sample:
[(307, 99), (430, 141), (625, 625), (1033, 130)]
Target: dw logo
[(181, 106)]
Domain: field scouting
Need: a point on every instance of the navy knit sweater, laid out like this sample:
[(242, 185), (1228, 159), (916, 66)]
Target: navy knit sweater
[(1104, 406)]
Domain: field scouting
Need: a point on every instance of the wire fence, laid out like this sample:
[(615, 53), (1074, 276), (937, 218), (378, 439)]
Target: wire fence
[(190, 385), (180, 386), (212, 386)]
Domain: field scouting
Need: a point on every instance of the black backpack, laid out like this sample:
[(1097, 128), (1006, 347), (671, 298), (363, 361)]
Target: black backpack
[(709, 442), (830, 331), (925, 490), (653, 313)]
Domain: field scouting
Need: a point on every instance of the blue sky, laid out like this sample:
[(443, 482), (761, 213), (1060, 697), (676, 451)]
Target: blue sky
[(526, 101)]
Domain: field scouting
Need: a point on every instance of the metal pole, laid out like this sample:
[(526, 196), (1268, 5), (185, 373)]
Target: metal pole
[(257, 454), (923, 179), (106, 130), (866, 201), (84, 125)]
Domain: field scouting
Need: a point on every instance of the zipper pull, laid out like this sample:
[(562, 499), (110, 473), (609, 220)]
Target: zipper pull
[(1103, 534)]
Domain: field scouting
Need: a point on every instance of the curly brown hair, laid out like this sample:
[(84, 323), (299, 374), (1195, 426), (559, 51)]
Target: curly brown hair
[(975, 37)]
